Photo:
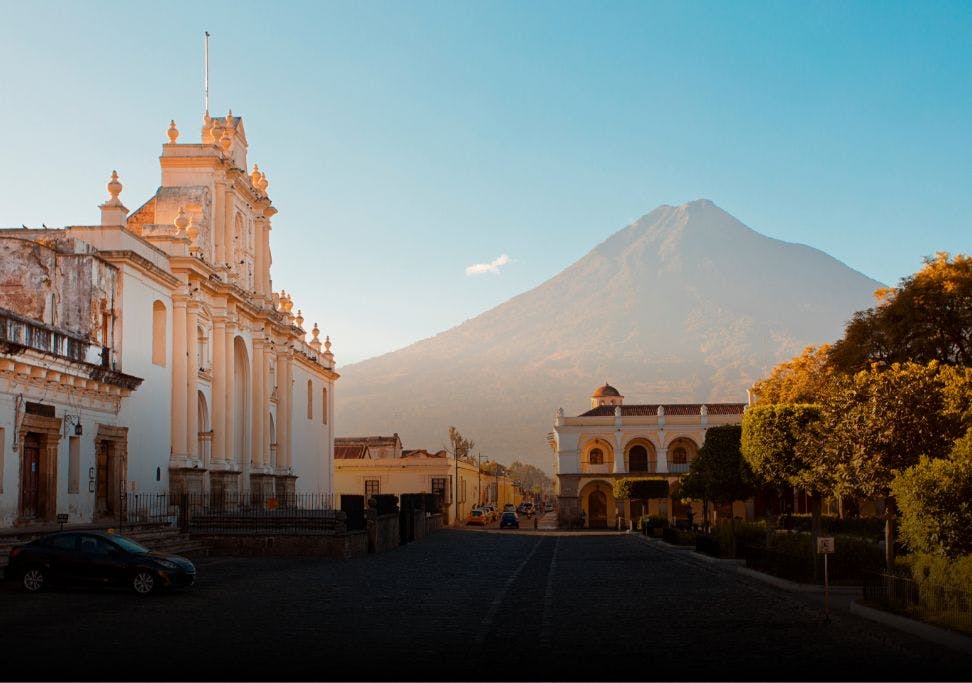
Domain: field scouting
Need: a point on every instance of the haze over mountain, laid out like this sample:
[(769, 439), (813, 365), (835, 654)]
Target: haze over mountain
[(686, 304)]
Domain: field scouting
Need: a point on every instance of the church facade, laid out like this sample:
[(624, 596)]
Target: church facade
[(151, 352), (613, 440)]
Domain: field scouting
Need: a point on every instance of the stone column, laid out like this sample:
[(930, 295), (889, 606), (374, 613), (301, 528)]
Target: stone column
[(218, 419), (229, 414), (259, 256), (192, 390), (229, 229), (218, 226), (259, 454), (179, 381), (663, 459), (618, 453)]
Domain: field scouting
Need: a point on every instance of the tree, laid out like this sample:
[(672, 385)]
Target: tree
[(640, 488), (802, 379), (461, 446), (719, 473), (882, 420), (927, 317), (783, 445), (531, 478), (935, 499)]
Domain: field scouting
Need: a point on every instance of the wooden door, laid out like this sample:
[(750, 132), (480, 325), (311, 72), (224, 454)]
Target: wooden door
[(104, 500), (597, 507), (30, 477)]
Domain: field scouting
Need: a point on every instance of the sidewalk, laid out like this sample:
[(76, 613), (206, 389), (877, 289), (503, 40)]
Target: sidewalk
[(841, 599)]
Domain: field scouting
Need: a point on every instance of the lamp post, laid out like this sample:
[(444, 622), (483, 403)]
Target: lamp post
[(479, 479)]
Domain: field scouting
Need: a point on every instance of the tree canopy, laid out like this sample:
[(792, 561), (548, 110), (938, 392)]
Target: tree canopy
[(928, 317), (461, 446), (781, 444), (719, 473), (802, 379), (935, 499), (640, 488)]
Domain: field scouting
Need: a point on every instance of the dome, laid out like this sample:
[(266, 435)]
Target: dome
[(606, 390)]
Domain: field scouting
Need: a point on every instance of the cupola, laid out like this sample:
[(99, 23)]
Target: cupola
[(606, 396)]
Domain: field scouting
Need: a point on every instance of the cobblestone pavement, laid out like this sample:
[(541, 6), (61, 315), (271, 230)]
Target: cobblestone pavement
[(460, 605)]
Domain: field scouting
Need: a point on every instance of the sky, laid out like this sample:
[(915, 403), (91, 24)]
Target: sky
[(431, 160)]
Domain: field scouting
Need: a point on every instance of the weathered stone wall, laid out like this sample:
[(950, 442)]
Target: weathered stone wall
[(331, 546)]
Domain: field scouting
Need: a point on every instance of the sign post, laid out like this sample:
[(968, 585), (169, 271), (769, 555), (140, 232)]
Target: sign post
[(825, 547)]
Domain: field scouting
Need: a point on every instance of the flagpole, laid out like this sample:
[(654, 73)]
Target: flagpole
[(206, 73)]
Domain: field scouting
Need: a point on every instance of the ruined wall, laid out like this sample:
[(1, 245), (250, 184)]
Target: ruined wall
[(27, 275), (56, 280)]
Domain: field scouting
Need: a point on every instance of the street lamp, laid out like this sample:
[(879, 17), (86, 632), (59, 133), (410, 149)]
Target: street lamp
[(479, 479)]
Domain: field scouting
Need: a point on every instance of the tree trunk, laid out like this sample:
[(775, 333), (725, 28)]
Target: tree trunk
[(816, 504), (890, 512), (705, 515)]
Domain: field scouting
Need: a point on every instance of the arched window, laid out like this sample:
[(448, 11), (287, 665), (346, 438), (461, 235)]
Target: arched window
[(310, 400), (596, 456), (324, 405), (158, 333), (638, 459), (202, 344), (679, 457)]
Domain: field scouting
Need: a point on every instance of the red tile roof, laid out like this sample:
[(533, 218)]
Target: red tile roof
[(350, 452), (670, 409)]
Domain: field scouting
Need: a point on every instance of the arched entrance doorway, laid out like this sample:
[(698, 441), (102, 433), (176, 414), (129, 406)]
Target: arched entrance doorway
[(597, 507)]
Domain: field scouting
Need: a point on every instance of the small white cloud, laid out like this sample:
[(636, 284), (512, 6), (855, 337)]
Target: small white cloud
[(491, 267)]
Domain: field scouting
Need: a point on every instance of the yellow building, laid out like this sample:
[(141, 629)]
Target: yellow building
[(378, 464), (613, 440)]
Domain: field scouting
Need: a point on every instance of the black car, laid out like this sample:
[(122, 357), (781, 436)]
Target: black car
[(96, 558), (509, 519)]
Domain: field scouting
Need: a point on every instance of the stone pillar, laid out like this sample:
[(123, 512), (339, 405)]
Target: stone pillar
[(192, 384), (180, 362), (219, 450), (229, 229), (229, 398), (259, 256), (618, 454), (218, 227), (663, 459), (259, 454)]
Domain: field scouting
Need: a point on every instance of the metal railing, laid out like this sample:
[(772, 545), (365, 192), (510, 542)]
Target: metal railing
[(234, 513), (926, 600)]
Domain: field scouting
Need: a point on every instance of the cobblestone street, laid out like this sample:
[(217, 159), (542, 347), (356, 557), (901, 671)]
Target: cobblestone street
[(460, 605)]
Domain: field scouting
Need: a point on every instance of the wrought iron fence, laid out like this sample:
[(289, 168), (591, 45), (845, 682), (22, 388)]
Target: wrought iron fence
[(234, 513), (926, 600)]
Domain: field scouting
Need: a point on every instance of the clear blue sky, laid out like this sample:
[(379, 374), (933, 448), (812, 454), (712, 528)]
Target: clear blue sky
[(406, 141)]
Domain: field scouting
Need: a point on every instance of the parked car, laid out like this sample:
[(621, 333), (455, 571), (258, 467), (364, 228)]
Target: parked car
[(478, 517), (509, 507), (509, 519), (96, 558), (528, 508)]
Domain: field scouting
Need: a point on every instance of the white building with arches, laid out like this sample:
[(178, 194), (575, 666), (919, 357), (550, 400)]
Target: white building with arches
[(613, 440), (151, 353)]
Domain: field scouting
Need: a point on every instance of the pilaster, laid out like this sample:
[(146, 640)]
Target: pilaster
[(179, 453)]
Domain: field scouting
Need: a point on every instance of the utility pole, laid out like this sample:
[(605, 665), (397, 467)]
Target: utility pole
[(455, 454), (479, 478)]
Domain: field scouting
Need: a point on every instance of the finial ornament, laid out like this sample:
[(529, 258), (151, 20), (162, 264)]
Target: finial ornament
[(173, 132), (114, 187), (208, 137), (316, 333), (300, 318), (264, 183), (192, 231), (181, 221), (327, 343), (255, 176)]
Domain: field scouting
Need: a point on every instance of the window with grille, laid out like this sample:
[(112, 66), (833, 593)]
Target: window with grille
[(371, 488), (596, 456)]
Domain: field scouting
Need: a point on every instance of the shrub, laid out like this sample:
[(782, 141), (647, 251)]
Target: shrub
[(642, 488), (747, 534), (386, 503)]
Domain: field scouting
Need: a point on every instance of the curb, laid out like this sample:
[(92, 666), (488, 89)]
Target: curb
[(936, 634)]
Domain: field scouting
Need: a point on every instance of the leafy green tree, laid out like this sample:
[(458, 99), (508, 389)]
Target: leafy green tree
[(640, 488), (719, 473), (882, 420), (935, 499), (461, 446), (927, 317)]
